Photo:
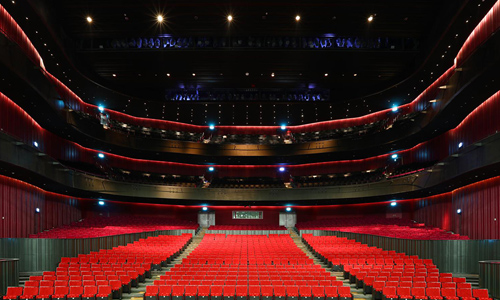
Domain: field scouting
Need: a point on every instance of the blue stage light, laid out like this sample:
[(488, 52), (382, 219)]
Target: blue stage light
[(100, 155)]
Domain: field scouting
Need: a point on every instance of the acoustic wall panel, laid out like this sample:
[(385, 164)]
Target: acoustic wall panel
[(18, 203)]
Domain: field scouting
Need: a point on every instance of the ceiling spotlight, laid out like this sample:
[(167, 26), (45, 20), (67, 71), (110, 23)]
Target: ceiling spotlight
[(89, 19), (326, 74), (288, 209), (211, 169), (114, 75), (35, 143), (297, 18), (460, 145), (159, 18), (459, 211), (247, 74), (370, 18), (194, 74), (37, 210), (101, 202), (272, 74), (204, 208), (100, 155), (168, 74), (393, 203), (394, 156), (282, 169), (229, 18)]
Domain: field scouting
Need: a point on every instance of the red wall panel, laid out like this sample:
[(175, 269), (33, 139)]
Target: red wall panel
[(18, 201), (480, 205)]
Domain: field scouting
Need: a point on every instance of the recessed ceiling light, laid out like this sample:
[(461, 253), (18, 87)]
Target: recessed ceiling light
[(355, 74), (297, 18), (194, 74), (159, 18), (168, 74), (247, 74), (326, 74), (272, 74), (114, 75), (89, 19), (229, 18), (370, 18)]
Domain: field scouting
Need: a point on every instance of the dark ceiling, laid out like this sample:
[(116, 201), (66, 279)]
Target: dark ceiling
[(142, 72)]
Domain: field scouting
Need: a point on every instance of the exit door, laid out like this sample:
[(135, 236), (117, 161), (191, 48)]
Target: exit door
[(206, 219), (288, 219)]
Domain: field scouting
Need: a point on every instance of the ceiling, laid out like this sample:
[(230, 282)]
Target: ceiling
[(351, 72)]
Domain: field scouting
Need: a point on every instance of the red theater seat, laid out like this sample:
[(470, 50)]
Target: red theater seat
[(45, 293), (104, 293), (151, 292), (434, 293), (89, 293), (449, 293), (481, 294)]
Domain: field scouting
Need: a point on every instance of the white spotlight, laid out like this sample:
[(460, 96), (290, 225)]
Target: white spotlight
[(159, 18), (229, 18), (370, 18), (89, 19), (288, 209), (204, 208), (297, 18)]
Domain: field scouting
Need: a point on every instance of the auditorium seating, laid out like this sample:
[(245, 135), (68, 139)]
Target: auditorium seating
[(248, 267), (104, 274), (388, 274), (246, 227), (106, 226), (396, 228)]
